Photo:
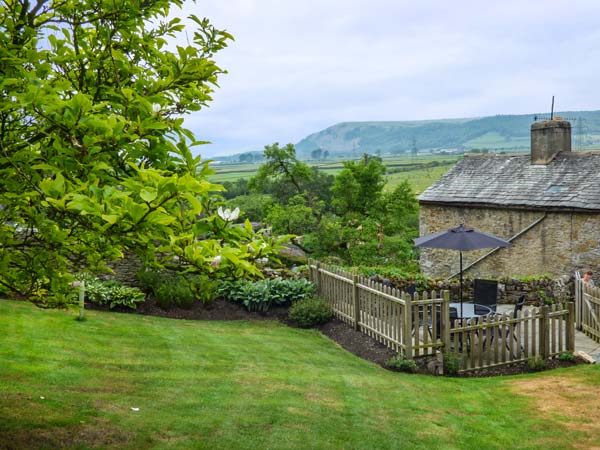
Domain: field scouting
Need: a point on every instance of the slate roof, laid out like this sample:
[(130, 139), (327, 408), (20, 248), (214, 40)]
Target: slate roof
[(571, 181)]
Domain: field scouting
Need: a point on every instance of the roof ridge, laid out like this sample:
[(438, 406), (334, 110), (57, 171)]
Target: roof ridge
[(570, 181)]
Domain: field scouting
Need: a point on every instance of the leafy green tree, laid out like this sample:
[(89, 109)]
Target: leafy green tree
[(288, 179), (236, 188), (358, 187), (372, 227), (254, 207), (398, 210), (94, 158), (293, 218), (282, 174)]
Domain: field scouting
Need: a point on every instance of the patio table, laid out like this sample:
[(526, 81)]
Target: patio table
[(469, 310)]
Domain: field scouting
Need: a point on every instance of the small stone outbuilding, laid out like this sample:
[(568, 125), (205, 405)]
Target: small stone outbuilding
[(546, 203)]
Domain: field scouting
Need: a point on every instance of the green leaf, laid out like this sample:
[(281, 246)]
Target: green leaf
[(110, 218), (53, 187), (148, 195)]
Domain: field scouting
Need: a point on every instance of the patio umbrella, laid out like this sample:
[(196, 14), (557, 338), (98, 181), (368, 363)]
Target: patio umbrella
[(461, 238)]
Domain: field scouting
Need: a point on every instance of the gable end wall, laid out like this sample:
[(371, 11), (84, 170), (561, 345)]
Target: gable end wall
[(561, 243)]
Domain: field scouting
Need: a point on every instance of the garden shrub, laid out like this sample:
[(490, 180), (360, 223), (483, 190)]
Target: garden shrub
[(163, 297), (233, 291), (566, 356), (401, 364), (452, 363), (174, 292), (289, 291), (537, 363), (261, 295), (121, 295), (112, 293), (310, 312), (172, 289), (96, 291), (182, 294), (544, 298), (204, 288), (150, 280)]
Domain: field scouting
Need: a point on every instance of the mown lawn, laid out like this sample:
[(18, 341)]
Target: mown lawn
[(248, 385)]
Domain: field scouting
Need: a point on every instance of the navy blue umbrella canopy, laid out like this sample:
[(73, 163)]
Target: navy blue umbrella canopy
[(463, 239)]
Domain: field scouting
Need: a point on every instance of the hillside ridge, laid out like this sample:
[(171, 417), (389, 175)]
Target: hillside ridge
[(503, 132)]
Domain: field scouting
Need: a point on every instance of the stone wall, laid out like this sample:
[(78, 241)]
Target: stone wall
[(558, 245), (124, 269), (536, 291)]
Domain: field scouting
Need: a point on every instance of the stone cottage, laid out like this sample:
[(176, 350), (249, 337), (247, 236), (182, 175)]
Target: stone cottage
[(546, 203)]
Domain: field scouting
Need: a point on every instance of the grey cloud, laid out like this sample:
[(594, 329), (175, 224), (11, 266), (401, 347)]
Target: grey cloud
[(297, 67)]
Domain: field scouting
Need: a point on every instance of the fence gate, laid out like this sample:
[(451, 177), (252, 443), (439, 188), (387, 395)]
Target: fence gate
[(587, 308)]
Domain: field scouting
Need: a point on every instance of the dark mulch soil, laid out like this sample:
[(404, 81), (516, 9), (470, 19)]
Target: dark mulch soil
[(356, 342), (519, 368), (217, 310), (351, 340)]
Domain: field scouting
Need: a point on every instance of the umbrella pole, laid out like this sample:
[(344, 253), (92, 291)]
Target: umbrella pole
[(461, 287)]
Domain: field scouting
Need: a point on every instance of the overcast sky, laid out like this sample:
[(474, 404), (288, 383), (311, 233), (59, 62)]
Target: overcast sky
[(297, 67)]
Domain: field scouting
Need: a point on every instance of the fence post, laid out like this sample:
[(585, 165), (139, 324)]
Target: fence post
[(81, 286), (355, 302), (571, 327), (408, 326), (545, 332), (318, 280), (578, 300), (445, 324)]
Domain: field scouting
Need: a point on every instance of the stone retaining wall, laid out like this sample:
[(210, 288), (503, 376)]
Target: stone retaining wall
[(536, 291), (124, 269)]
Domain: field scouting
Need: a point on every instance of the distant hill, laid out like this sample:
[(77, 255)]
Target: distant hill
[(495, 133)]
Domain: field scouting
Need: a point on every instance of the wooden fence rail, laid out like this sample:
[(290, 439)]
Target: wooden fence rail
[(419, 325), (390, 316), (496, 340)]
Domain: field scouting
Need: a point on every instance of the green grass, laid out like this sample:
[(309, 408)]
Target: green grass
[(419, 179), (240, 385)]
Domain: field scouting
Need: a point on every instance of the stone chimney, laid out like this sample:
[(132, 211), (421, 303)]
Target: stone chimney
[(548, 137)]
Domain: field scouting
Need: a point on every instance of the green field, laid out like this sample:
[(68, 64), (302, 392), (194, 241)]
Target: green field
[(122, 381), (419, 178), (495, 140), (233, 172)]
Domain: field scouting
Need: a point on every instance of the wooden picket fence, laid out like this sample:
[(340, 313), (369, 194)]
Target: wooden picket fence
[(587, 308), (497, 340), (402, 322), (419, 325)]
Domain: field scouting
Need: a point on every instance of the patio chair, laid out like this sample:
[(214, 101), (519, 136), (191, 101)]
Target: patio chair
[(411, 289), (438, 325), (518, 307), (459, 337), (485, 292)]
